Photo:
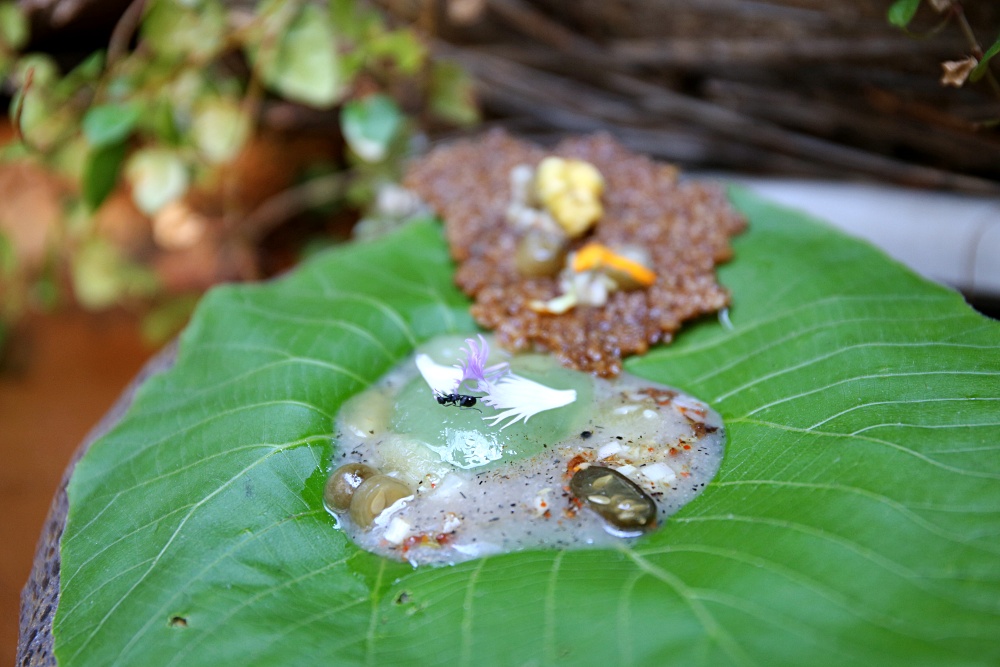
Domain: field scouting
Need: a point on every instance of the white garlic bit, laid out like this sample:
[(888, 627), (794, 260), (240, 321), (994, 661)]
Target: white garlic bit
[(658, 472), (397, 530), (609, 450), (451, 522)]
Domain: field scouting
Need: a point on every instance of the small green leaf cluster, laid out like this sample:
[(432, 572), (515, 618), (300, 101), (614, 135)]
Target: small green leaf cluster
[(902, 12), (164, 110), (180, 108)]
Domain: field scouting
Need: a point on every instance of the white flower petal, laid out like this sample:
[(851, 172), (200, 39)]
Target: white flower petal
[(441, 379), (521, 398), (516, 414)]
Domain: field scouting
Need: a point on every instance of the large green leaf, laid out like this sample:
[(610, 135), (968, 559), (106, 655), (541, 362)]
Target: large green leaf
[(855, 519)]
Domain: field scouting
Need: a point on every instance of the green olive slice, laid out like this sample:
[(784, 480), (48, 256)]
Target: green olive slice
[(342, 484), (617, 499), (373, 496), (540, 253)]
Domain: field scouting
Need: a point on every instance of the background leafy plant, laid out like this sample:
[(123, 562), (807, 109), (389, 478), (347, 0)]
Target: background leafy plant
[(179, 94), (853, 522)]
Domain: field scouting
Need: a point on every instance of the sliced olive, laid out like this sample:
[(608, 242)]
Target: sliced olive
[(342, 484), (540, 253), (616, 498), (374, 495)]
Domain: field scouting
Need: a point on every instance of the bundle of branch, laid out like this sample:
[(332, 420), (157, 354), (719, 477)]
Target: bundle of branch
[(792, 87)]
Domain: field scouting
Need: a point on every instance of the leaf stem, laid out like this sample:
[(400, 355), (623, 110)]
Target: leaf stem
[(293, 201), (123, 31), (29, 77), (977, 50)]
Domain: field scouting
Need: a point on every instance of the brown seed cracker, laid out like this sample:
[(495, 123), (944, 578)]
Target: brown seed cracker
[(685, 226)]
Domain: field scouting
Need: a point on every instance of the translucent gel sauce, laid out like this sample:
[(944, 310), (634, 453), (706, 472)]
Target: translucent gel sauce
[(448, 487)]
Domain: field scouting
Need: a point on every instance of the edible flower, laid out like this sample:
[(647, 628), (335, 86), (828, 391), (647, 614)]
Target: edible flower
[(521, 398), (518, 397), (442, 380), (474, 368)]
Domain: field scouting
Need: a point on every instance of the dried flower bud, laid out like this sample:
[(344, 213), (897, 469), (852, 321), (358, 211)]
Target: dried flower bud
[(465, 12), (941, 6), (955, 72)]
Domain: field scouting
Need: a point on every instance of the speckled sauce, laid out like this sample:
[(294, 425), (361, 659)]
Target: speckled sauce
[(477, 490)]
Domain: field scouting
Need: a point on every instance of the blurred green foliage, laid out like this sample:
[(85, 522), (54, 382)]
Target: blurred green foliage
[(980, 70), (369, 126), (167, 111), (902, 12)]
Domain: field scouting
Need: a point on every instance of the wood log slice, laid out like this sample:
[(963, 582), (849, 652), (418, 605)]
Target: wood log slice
[(40, 596)]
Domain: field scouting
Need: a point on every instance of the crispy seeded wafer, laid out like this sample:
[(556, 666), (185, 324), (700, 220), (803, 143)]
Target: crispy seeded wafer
[(685, 226)]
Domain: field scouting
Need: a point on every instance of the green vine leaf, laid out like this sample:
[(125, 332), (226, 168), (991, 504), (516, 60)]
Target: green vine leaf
[(296, 54), (400, 47), (100, 173), (185, 29), (14, 27), (452, 94), (110, 123), (854, 520), (84, 75), (984, 63), (220, 128), (901, 12), (158, 176), (8, 256), (369, 126), (102, 276), (45, 118)]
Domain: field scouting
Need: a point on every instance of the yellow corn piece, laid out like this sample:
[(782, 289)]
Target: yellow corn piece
[(549, 178), (596, 256), (574, 214), (571, 191), (584, 176)]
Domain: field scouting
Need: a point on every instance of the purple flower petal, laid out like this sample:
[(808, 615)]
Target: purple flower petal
[(474, 368)]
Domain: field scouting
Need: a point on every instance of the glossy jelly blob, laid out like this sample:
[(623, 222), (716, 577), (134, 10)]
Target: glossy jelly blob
[(431, 482)]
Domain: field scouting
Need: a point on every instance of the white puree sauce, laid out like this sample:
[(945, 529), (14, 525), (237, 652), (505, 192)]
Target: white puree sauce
[(477, 490)]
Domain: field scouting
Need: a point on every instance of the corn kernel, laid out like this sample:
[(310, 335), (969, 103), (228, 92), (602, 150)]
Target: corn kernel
[(574, 214), (571, 191), (584, 176), (550, 178)]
